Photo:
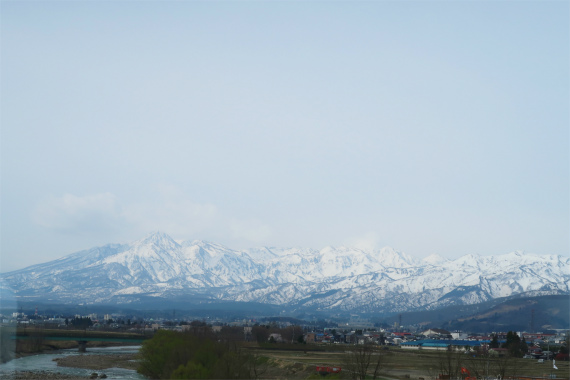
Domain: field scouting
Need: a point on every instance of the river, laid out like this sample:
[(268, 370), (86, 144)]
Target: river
[(45, 362)]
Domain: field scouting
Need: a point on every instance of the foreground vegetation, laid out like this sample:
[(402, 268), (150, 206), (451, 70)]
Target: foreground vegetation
[(200, 353), (197, 354)]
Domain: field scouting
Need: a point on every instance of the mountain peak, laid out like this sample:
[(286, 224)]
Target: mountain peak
[(469, 260), (389, 257), (158, 238)]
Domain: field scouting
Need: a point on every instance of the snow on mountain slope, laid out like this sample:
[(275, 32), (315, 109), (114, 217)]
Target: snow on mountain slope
[(329, 279), (434, 259), (391, 258)]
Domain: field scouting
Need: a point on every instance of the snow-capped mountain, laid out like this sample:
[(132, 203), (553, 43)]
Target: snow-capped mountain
[(342, 278)]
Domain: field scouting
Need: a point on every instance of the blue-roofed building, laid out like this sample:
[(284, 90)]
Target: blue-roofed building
[(439, 344)]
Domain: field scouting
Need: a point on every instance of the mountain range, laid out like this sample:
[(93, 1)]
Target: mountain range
[(332, 279)]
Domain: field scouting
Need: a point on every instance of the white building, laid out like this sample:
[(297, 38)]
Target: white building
[(458, 335)]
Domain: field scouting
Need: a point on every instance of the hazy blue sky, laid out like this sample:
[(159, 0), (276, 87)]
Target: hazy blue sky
[(430, 127)]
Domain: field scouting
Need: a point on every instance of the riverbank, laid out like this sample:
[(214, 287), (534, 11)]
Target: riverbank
[(40, 375), (99, 362)]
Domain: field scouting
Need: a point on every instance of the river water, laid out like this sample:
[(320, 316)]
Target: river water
[(45, 362)]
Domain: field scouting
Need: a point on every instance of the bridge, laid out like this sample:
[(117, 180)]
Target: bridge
[(80, 336)]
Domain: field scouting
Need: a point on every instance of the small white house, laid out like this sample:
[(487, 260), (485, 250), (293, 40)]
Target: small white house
[(276, 337), (458, 335)]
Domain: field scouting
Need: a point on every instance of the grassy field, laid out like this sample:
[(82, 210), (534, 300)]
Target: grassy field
[(396, 364)]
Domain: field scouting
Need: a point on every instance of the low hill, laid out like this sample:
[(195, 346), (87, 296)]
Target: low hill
[(513, 313)]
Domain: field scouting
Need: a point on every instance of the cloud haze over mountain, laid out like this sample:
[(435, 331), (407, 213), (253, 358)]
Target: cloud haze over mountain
[(431, 127)]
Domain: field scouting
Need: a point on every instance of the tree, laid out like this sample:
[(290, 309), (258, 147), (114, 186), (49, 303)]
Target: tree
[(7, 344), (362, 358), (191, 370), (258, 365), (200, 328), (564, 349), (291, 333), (81, 323), (524, 346), (449, 362), (170, 354), (494, 342), (479, 362), (260, 333), (231, 334), (36, 339), (514, 344), (159, 356), (507, 366), (234, 364)]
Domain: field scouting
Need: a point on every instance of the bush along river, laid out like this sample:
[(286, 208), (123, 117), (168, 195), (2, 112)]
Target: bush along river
[(96, 363)]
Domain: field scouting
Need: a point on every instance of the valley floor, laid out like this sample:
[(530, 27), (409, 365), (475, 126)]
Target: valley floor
[(300, 361)]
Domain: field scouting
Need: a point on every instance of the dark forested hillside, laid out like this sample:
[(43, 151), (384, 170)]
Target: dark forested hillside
[(550, 312)]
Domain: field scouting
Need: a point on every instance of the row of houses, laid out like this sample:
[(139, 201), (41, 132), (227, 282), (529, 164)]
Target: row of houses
[(349, 337), (432, 338)]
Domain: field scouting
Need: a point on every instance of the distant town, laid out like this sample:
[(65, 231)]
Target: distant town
[(288, 330)]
